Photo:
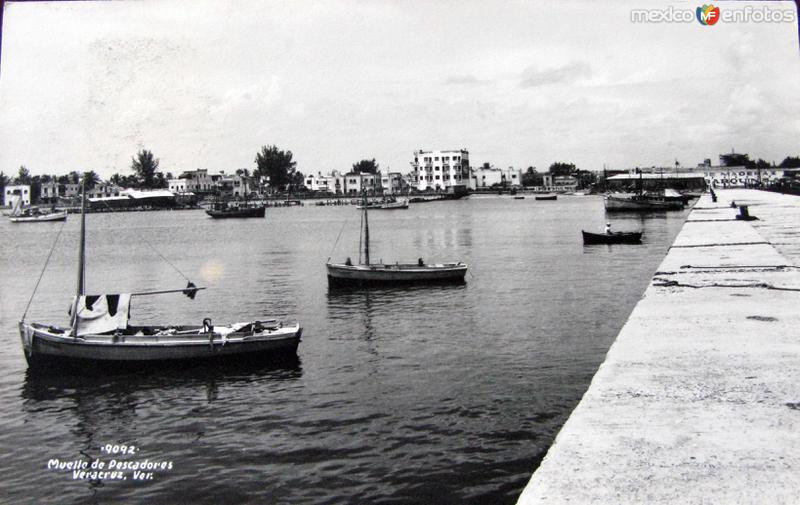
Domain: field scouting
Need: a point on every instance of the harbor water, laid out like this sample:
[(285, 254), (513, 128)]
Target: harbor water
[(444, 394)]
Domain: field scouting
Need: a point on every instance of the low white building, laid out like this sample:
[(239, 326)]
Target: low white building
[(330, 183), (439, 170), (559, 183), (17, 192), (103, 190), (192, 181), (739, 177), (481, 178)]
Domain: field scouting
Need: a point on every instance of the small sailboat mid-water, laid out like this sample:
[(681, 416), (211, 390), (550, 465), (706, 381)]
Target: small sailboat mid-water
[(383, 274), (99, 332)]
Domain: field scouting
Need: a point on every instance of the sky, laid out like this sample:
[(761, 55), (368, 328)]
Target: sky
[(205, 84)]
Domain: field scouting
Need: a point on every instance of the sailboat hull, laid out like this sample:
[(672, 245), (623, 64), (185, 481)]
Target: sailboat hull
[(44, 345), (398, 274), (40, 218)]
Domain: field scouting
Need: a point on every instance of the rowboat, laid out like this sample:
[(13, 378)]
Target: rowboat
[(618, 237), (383, 274), (99, 333), (546, 197)]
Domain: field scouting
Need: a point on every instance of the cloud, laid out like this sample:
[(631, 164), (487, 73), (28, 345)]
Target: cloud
[(463, 80), (533, 77)]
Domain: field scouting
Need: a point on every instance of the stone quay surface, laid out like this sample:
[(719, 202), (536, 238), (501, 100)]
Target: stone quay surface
[(698, 399)]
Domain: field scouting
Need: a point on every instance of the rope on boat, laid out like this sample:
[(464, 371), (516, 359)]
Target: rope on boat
[(168, 262), (337, 238), (41, 274)]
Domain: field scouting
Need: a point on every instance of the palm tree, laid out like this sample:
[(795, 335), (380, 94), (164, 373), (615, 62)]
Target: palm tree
[(145, 165)]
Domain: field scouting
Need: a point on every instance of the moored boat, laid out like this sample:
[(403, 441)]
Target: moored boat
[(383, 274), (617, 237), (622, 202), (385, 205), (99, 333), (546, 197), (223, 210), (38, 217), (19, 214)]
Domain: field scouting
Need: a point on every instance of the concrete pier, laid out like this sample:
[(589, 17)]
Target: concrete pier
[(698, 400)]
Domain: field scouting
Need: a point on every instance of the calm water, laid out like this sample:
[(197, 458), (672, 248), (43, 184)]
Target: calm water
[(425, 395)]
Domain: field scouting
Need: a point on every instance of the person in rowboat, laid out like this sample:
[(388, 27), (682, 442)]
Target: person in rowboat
[(608, 228)]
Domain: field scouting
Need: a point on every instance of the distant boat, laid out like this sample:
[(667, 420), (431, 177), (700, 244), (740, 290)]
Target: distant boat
[(519, 198), (34, 214), (546, 197), (221, 210), (366, 273), (99, 333), (622, 202), (641, 201), (618, 237), (385, 205)]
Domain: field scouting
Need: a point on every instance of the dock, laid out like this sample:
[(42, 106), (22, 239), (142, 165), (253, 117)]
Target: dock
[(698, 399)]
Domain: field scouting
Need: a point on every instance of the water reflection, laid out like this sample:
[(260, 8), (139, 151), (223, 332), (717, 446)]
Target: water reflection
[(117, 387)]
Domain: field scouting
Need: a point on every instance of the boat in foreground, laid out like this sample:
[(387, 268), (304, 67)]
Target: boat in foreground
[(618, 237), (546, 197), (384, 274), (99, 332)]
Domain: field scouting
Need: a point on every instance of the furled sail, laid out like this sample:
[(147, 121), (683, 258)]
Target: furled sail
[(101, 313)]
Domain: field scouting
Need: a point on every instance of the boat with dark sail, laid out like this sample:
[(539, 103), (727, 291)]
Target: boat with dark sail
[(99, 333), (367, 273), (612, 237)]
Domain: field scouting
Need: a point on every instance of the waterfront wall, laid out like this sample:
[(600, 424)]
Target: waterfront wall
[(698, 400)]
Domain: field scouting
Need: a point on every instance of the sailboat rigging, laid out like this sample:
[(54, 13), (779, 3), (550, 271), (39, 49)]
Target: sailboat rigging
[(367, 273), (99, 332)]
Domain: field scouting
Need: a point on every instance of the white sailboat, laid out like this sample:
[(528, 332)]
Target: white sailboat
[(33, 214), (99, 332)]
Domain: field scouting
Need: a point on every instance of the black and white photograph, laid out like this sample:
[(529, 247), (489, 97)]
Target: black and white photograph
[(399, 252)]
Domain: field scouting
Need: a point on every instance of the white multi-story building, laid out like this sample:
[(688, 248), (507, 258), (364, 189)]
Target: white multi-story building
[(487, 177), (355, 184), (438, 170), (16, 192)]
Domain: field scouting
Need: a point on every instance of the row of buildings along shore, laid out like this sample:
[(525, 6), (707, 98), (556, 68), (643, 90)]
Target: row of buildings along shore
[(431, 171)]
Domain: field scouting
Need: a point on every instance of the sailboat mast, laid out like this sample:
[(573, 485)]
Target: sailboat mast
[(82, 247), (366, 232)]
